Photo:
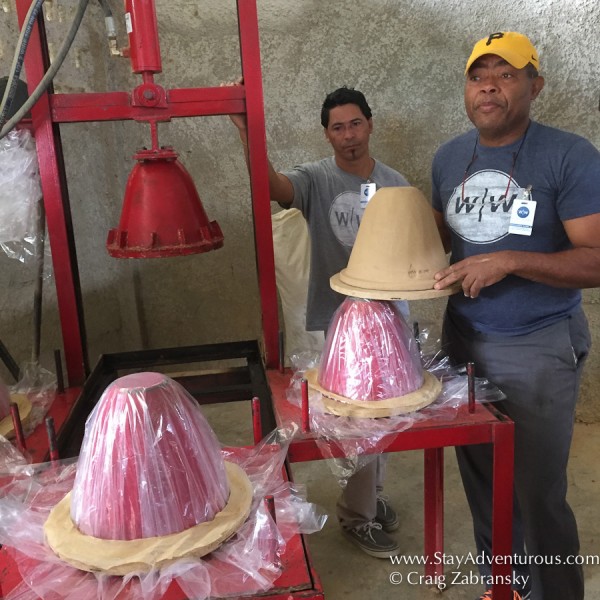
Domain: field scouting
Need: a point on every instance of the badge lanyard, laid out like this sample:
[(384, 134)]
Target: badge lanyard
[(512, 167)]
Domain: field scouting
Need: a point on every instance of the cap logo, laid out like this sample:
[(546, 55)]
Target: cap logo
[(494, 36)]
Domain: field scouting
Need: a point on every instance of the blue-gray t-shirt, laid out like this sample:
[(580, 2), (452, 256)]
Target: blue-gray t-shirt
[(563, 170), (329, 199)]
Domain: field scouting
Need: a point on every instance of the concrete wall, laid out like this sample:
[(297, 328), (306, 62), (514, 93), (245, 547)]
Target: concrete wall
[(408, 58)]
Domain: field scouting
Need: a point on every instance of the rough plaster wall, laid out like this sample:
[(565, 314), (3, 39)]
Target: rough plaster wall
[(406, 55)]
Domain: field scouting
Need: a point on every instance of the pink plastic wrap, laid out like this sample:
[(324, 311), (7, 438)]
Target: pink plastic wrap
[(370, 353), (150, 465)]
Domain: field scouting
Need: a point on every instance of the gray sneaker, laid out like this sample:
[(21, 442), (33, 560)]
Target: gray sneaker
[(372, 540), (386, 515)]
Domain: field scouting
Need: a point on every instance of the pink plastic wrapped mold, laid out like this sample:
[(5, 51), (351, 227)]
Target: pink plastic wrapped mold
[(370, 353), (150, 464)]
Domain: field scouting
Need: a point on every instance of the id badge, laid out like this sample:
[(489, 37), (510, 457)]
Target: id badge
[(367, 191), (522, 214)]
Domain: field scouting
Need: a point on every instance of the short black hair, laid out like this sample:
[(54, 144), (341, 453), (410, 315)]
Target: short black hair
[(341, 96)]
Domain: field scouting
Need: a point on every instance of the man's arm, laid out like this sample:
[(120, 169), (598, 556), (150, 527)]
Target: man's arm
[(281, 189), (578, 267)]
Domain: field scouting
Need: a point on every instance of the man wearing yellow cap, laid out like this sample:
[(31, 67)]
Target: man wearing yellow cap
[(518, 204)]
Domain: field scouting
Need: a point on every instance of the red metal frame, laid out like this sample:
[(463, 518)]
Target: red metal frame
[(484, 425), (53, 109)]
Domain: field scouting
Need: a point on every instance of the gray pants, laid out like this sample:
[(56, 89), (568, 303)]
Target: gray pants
[(540, 374), (358, 503)]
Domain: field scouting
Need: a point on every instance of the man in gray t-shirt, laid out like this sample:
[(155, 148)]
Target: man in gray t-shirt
[(328, 193)]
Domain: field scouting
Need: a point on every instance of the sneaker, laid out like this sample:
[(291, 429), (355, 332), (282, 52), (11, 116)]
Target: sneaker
[(372, 540), (516, 596), (386, 515)]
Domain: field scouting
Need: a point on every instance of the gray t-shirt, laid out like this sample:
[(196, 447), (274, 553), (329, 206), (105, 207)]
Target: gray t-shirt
[(329, 199), (563, 170)]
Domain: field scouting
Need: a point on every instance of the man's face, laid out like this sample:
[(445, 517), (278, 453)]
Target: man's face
[(348, 132), (498, 98)]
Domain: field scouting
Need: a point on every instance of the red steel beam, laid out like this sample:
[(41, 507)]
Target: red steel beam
[(502, 506), (433, 504), (259, 177), (117, 106)]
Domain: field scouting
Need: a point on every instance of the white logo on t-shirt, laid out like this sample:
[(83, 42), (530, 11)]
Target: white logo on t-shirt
[(344, 217), (481, 214)]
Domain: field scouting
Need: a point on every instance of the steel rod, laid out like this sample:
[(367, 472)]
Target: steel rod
[(305, 407), (471, 383), (18, 427)]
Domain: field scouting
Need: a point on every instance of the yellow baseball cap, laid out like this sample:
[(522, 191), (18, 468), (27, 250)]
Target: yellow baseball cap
[(515, 48)]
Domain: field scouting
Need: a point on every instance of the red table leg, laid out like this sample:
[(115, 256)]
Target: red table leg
[(502, 505), (434, 511)]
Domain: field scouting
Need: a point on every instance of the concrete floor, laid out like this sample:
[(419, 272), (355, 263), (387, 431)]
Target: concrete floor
[(348, 574)]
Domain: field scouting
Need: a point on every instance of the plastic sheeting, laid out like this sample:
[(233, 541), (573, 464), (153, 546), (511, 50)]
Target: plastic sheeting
[(11, 461), (39, 385), (20, 194), (247, 563)]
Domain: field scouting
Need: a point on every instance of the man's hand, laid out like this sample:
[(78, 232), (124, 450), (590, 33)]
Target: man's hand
[(238, 120), (475, 272)]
